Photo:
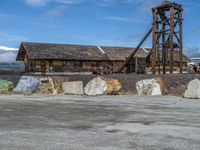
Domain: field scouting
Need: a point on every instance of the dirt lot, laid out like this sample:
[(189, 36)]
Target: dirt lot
[(99, 123)]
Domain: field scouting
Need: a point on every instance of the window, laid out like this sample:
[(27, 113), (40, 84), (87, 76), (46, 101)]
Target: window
[(57, 63)]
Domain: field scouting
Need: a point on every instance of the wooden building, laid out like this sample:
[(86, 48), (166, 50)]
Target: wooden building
[(176, 62), (65, 58)]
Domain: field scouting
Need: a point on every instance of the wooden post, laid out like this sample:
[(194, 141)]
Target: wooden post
[(171, 41), (158, 53), (136, 65), (181, 43), (164, 46), (154, 41), (97, 66), (81, 66)]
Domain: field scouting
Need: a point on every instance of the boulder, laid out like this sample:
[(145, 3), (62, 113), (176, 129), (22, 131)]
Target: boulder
[(6, 86), (52, 85), (162, 85), (151, 87), (102, 86), (75, 87), (47, 86), (58, 81), (193, 89), (27, 85)]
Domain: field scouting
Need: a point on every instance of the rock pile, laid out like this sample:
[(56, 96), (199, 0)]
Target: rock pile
[(102, 86)]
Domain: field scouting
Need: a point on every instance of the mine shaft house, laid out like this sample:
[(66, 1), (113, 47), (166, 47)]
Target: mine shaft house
[(64, 58)]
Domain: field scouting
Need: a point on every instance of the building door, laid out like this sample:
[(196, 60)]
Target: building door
[(43, 67)]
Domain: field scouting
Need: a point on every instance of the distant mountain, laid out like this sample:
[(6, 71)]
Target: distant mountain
[(8, 56), (4, 51), (8, 60), (195, 55), (17, 66)]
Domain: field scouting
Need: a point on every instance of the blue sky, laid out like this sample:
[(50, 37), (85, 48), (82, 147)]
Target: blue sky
[(93, 22)]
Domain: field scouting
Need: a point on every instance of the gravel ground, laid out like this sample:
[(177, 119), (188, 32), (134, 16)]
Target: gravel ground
[(99, 123)]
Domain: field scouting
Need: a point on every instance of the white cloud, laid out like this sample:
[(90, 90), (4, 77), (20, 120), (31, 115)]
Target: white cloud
[(7, 37), (143, 5), (124, 19), (35, 2), (44, 2), (55, 11), (8, 48)]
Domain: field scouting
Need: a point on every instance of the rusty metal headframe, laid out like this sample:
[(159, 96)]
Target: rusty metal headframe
[(166, 36)]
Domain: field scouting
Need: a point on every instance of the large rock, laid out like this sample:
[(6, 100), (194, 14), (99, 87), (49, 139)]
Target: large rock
[(26, 85), (162, 85), (75, 87), (52, 85), (151, 87), (102, 86), (5, 86), (47, 86), (58, 81), (193, 90)]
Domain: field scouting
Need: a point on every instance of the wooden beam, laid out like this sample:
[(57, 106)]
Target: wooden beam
[(171, 39), (164, 46), (181, 43), (154, 41), (135, 51), (136, 65)]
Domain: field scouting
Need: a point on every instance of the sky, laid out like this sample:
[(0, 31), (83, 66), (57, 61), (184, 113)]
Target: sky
[(89, 22)]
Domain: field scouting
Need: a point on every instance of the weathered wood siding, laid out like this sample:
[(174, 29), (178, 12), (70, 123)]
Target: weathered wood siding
[(97, 67)]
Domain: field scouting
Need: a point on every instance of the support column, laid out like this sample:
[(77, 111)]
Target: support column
[(136, 65), (181, 41), (154, 41), (164, 46), (171, 39)]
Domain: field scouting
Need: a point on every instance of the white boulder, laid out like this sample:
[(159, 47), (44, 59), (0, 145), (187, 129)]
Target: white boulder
[(26, 85), (193, 90), (102, 86), (150, 87)]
